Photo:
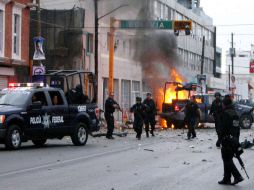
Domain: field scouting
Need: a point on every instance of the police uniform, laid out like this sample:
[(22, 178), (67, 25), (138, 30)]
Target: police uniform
[(191, 118), (150, 115), (216, 110), (138, 109), (109, 111), (230, 132)]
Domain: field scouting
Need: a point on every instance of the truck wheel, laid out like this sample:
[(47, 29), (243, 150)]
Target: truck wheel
[(245, 121), (80, 135), (13, 137), (179, 124), (169, 124), (39, 142)]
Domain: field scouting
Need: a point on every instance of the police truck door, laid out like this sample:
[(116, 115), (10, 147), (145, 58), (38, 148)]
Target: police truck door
[(36, 121), (59, 114)]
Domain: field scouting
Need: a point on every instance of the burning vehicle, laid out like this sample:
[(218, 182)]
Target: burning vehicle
[(176, 96)]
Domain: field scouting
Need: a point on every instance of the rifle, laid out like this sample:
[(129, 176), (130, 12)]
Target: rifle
[(242, 164), (118, 107)]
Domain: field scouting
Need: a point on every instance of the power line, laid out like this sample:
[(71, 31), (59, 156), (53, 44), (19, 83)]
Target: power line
[(62, 26)]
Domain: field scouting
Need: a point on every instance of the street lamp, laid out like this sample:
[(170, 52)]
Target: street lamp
[(97, 18)]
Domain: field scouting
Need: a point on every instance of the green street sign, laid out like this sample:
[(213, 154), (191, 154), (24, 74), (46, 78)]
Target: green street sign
[(136, 24)]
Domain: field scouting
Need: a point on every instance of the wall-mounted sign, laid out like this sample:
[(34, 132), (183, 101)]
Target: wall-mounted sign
[(38, 48)]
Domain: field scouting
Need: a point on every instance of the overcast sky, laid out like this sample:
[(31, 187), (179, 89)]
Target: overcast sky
[(232, 12)]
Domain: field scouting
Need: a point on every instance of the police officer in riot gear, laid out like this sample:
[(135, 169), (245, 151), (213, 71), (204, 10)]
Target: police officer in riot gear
[(110, 106), (76, 96), (192, 117), (216, 110), (81, 96), (230, 132), (138, 109), (149, 114)]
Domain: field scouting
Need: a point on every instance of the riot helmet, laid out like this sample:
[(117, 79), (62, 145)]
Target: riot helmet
[(138, 99), (217, 94), (227, 101)]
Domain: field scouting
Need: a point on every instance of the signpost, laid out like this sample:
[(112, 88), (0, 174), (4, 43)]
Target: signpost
[(146, 24), (201, 84)]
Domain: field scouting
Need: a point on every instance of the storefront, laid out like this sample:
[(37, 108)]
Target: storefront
[(5, 73)]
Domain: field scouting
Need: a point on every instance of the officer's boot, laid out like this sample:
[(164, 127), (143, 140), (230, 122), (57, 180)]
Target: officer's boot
[(139, 136), (152, 133), (218, 143), (147, 130), (147, 133)]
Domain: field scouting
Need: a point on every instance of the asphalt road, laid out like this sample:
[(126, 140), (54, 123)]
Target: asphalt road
[(166, 161)]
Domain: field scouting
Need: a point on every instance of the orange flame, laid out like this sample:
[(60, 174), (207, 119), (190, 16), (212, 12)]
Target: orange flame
[(164, 125), (170, 93)]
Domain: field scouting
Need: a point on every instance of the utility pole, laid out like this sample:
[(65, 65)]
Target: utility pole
[(38, 11), (214, 43), (38, 33), (232, 52), (96, 21), (203, 56), (111, 56), (229, 78)]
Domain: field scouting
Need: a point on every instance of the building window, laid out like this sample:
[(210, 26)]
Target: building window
[(166, 12), (135, 91), (124, 45), (16, 34), (89, 43), (157, 9), (126, 94), (1, 32), (145, 90), (130, 46), (162, 11)]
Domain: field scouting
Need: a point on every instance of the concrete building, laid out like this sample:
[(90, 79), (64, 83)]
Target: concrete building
[(128, 71), (14, 40), (242, 80), (217, 83)]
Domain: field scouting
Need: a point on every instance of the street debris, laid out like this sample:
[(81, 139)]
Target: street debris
[(246, 144), (186, 163), (149, 150), (197, 151), (191, 146)]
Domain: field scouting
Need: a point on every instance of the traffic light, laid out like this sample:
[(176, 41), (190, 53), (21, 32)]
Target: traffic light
[(185, 25), (176, 32), (187, 30)]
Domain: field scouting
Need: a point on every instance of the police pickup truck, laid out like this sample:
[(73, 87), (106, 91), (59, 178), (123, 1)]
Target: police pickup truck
[(172, 114), (35, 112)]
